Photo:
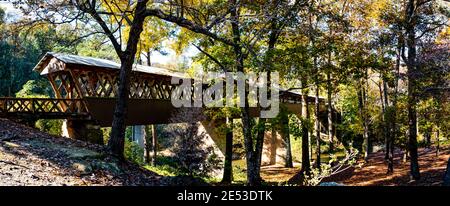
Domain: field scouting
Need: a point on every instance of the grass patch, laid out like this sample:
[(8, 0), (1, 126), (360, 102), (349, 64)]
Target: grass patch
[(239, 171), (165, 166)]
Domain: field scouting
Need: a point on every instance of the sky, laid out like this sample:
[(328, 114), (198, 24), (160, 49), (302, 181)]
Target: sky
[(13, 14)]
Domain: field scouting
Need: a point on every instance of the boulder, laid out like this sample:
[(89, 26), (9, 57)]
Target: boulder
[(83, 168)]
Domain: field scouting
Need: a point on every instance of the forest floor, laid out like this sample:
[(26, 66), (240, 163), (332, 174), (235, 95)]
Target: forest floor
[(31, 157), (373, 172)]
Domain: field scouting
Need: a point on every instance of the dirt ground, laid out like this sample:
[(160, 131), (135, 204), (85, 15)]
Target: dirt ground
[(30, 157), (373, 173)]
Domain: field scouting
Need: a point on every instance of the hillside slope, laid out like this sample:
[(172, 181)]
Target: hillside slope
[(31, 157)]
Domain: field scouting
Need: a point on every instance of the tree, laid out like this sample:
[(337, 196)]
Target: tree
[(414, 21), (192, 153)]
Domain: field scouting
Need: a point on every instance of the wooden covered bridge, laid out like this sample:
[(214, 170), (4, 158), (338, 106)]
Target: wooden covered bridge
[(84, 95)]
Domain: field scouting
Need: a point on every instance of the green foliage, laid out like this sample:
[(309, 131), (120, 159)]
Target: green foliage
[(239, 171), (21, 51), (133, 152), (94, 47), (191, 149), (106, 131), (351, 121), (38, 88), (50, 126), (334, 166)]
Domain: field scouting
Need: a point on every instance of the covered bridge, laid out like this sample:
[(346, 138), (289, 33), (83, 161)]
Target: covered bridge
[(85, 89)]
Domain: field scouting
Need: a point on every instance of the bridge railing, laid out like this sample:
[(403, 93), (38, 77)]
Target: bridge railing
[(42, 105)]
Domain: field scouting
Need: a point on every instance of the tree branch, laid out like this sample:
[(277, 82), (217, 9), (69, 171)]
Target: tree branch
[(180, 21), (211, 57)]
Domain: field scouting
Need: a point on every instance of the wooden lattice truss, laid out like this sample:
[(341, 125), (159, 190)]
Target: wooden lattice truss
[(77, 83), (95, 83), (42, 105)]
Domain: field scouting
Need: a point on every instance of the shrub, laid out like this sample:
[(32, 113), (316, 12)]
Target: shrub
[(50, 126), (191, 151), (133, 152)]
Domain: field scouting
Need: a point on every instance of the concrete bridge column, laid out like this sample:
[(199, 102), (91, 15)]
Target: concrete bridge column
[(274, 148), (138, 135), (82, 130)]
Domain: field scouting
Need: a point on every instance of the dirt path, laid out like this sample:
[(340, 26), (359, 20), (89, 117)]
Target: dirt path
[(278, 173), (31, 157)]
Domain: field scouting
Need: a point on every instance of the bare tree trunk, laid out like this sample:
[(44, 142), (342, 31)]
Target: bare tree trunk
[(286, 137), (147, 145), (393, 116), (306, 167), (228, 169), (330, 111), (381, 88), (149, 62), (253, 175), (389, 136), (437, 142), (154, 145), (363, 113), (411, 107), (317, 122), (150, 143), (117, 139), (428, 137)]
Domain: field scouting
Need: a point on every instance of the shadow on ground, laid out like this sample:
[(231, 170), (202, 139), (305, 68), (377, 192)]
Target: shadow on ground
[(31, 157)]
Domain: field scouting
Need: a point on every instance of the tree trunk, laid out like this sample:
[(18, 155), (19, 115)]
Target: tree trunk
[(428, 137), (154, 145), (437, 142), (389, 141), (363, 114), (117, 139), (149, 62), (286, 137), (317, 122), (393, 116), (253, 176), (330, 112), (260, 144), (147, 146), (228, 169), (306, 167), (411, 107), (384, 119)]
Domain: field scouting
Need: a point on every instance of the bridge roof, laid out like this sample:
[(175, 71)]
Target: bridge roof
[(89, 62), (47, 65)]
